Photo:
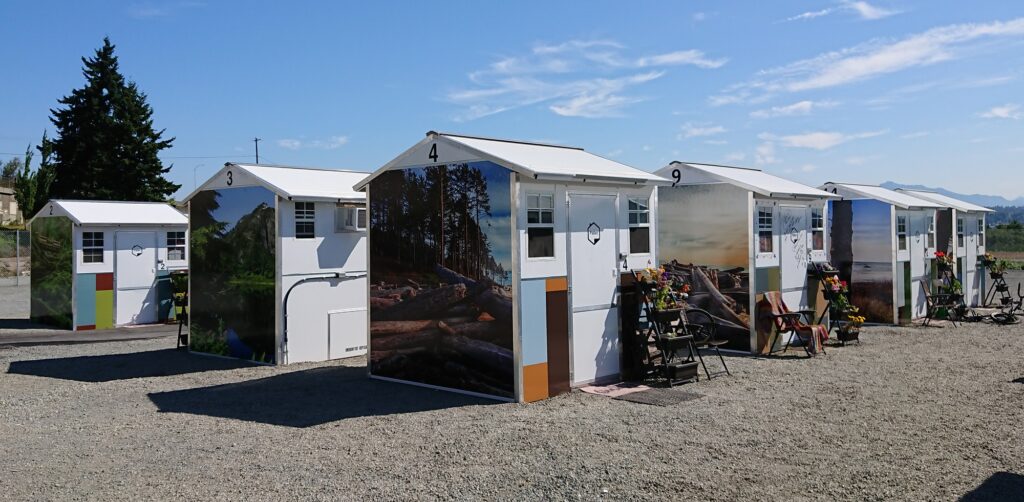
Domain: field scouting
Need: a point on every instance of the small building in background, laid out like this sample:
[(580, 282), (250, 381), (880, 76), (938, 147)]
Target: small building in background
[(101, 264), (278, 264), (495, 264), (884, 243), (9, 212), (960, 231), (738, 233)]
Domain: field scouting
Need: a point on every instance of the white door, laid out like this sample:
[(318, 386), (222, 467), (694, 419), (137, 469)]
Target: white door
[(593, 281), (134, 277), (918, 264), (970, 261), (793, 256)]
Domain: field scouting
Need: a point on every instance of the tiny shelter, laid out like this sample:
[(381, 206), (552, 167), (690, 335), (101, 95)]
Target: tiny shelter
[(960, 231), (883, 243), (101, 264), (741, 233), (279, 264), (495, 264)]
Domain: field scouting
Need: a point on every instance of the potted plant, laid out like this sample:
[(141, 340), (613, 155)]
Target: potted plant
[(989, 261), (849, 329), (944, 261)]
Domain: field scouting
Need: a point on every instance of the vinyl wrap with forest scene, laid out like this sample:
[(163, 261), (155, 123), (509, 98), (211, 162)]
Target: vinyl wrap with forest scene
[(440, 273), (51, 272), (232, 269)]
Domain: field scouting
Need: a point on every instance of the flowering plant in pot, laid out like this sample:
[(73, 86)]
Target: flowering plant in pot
[(988, 260), (944, 260)]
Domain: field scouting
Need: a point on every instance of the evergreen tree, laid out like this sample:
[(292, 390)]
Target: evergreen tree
[(106, 147), (32, 188)]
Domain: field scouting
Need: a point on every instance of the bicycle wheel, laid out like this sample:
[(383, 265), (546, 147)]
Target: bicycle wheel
[(701, 325)]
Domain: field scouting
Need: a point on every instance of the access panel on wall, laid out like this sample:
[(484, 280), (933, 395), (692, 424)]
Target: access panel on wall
[(232, 266), (441, 275)]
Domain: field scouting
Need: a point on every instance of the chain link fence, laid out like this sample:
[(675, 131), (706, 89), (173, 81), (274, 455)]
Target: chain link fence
[(15, 257)]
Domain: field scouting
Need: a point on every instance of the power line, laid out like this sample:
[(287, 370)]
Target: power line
[(207, 157)]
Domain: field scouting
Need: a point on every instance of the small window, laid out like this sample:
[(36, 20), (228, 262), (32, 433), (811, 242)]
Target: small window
[(901, 233), (92, 247), (959, 232), (639, 226), (349, 218), (305, 215), (981, 232), (931, 232), (765, 226), (540, 223), (175, 246), (817, 229)]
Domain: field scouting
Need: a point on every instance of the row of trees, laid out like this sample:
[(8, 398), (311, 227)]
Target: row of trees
[(105, 146)]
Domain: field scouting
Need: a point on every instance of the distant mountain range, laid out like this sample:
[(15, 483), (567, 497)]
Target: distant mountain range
[(981, 200)]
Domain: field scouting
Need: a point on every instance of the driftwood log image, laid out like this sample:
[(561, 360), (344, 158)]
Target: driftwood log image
[(725, 294), (440, 295)]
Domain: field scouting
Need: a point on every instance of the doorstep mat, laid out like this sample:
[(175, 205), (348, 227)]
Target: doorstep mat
[(659, 397), (615, 390)]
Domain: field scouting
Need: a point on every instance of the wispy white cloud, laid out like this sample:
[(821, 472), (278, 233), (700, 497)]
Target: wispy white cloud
[(716, 142), (861, 9), (735, 156), (329, 143), (692, 130), (765, 154), (1008, 111), (808, 168), (799, 108), (870, 60), (576, 78), (915, 135), (149, 10), (820, 140)]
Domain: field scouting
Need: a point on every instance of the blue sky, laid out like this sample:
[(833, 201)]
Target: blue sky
[(909, 91)]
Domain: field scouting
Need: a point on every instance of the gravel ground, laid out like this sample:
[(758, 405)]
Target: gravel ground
[(912, 413)]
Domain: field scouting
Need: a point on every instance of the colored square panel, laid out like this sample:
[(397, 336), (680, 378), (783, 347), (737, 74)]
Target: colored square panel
[(557, 284), (89, 327), (105, 282), (85, 300), (535, 382), (104, 309), (534, 322)]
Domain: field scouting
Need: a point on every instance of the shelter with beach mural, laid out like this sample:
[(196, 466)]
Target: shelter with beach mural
[(737, 234), (884, 243)]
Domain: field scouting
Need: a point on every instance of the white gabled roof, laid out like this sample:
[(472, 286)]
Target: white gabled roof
[(898, 199), (946, 200), (537, 160), (97, 212), (308, 183), (754, 180)]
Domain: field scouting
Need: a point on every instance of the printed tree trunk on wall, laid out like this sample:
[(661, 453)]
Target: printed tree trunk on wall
[(441, 305)]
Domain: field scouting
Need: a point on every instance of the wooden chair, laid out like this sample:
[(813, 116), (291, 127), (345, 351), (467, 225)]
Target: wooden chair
[(937, 300), (812, 336)]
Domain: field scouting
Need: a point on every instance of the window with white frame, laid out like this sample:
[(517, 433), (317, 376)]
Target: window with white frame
[(92, 247), (959, 232), (349, 218), (540, 225), (931, 232), (817, 229), (981, 232), (175, 246), (765, 229), (901, 232), (305, 215), (639, 226)]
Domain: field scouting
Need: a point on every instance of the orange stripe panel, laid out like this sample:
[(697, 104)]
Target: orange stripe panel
[(557, 284), (535, 382)]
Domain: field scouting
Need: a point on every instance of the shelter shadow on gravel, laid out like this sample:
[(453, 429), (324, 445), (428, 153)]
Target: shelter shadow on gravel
[(106, 368), (309, 397), (999, 486), (21, 323)]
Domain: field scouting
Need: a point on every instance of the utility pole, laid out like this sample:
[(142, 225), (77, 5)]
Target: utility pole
[(256, 141)]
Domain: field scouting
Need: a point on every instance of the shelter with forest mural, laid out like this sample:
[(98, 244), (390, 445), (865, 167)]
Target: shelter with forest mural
[(495, 264)]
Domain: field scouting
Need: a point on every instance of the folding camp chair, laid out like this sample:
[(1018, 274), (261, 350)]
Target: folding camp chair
[(939, 301), (811, 336)]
